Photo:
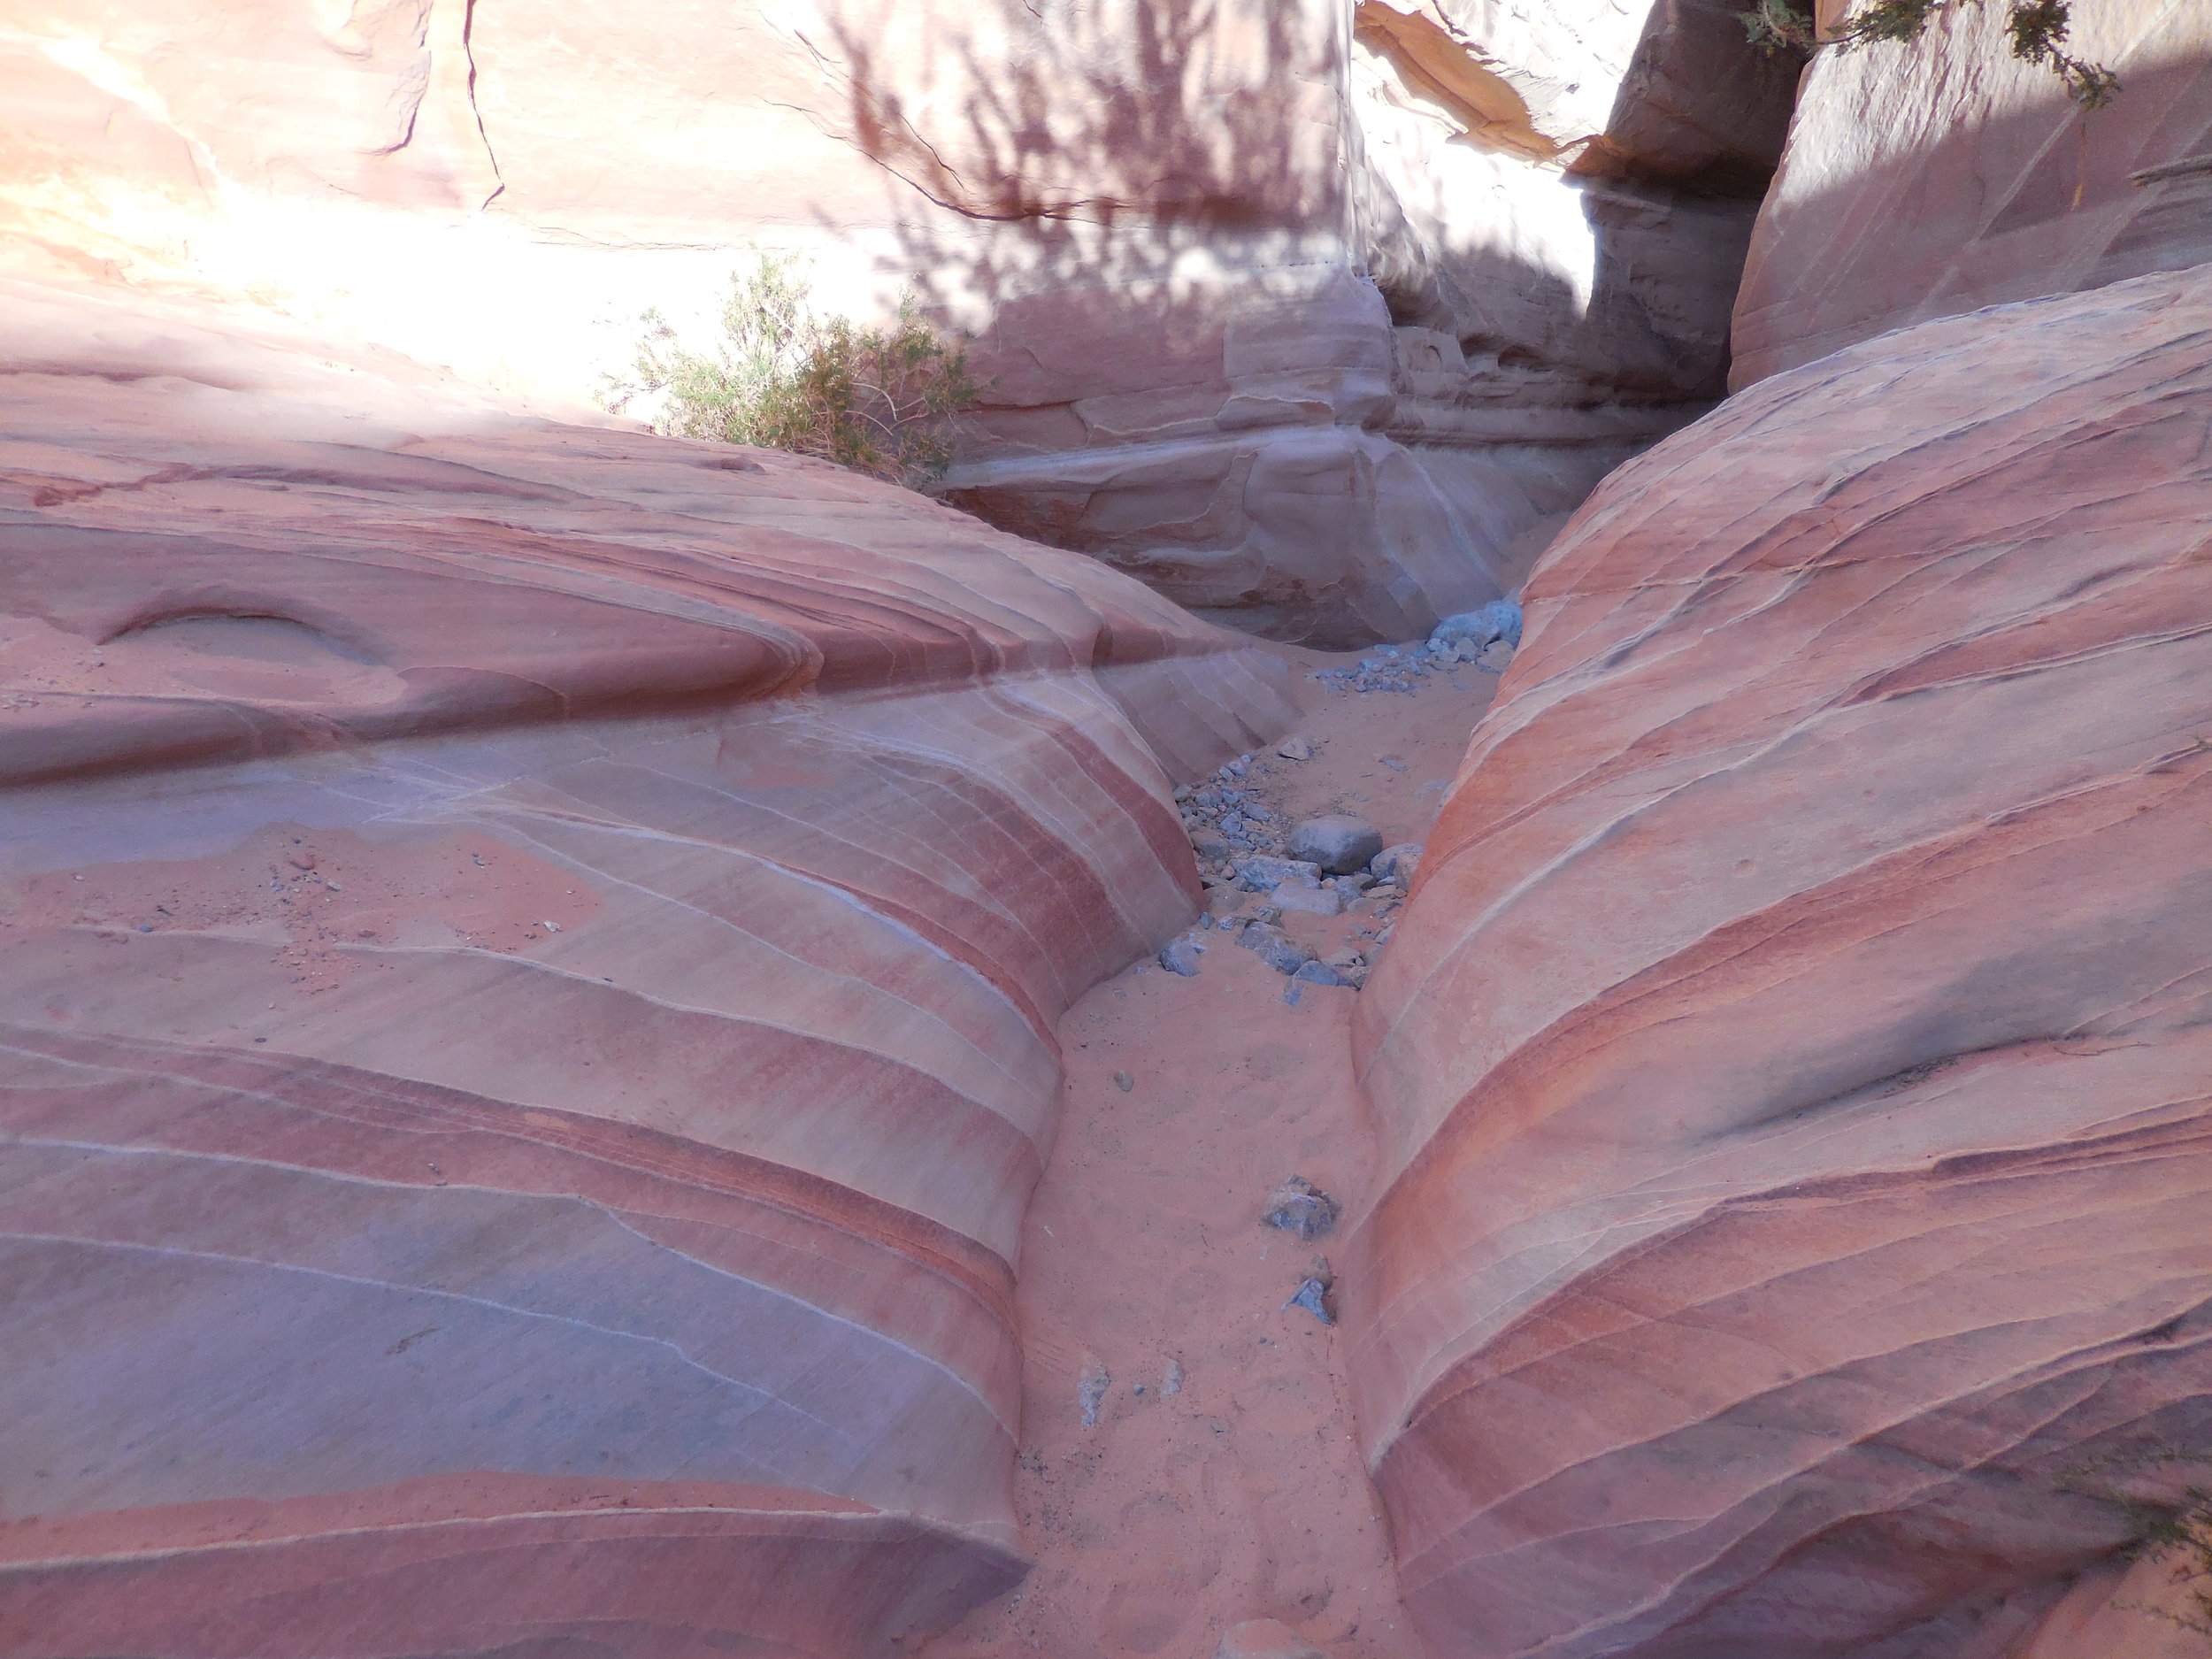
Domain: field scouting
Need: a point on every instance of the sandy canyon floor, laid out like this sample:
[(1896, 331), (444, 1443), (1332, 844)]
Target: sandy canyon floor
[(1221, 1480)]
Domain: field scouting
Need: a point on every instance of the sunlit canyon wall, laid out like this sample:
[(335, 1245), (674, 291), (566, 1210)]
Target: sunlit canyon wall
[(1160, 217)]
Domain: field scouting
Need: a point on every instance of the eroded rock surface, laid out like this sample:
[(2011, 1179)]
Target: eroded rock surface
[(529, 971), (1927, 180), (1792, 1064)]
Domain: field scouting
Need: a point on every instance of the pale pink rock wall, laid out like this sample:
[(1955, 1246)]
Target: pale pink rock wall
[(1933, 179), (1793, 1060), (1160, 217), (528, 965)]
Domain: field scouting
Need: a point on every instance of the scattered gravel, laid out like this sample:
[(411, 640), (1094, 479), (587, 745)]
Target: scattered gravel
[(1484, 637), (1393, 668)]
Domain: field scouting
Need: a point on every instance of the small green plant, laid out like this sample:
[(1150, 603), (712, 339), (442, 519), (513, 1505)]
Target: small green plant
[(2175, 1526), (2038, 27), (1779, 26), (879, 400)]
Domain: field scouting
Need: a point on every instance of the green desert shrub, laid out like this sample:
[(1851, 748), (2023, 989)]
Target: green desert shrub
[(881, 399), (2038, 28), (2173, 1524)]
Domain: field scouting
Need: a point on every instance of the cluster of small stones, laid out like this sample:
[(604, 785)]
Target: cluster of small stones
[(1249, 889), (1226, 816), (1403, 667)]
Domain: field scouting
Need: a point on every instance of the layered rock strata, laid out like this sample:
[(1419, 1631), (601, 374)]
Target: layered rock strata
[(1793, 1063), (1535, 218), (1927, 180), (1159, 221), (531, 956)]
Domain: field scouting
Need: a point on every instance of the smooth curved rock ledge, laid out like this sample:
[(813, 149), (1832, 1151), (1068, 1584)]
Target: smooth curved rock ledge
[(1795, 1061), (528, 965)]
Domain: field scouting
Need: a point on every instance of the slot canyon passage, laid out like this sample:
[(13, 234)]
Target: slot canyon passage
[(1489, 937)]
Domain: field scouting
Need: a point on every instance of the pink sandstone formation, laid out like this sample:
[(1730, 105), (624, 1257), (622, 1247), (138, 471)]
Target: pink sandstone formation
[(534, 957), (1927, 180), (531, 956), (1159, 219), (1792, 1072)]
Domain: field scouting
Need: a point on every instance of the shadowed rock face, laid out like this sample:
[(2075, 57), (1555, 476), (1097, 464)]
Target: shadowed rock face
[(1927, 180), (526, 1007), (1795, 1058)]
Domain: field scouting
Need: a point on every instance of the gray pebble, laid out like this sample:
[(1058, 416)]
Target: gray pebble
[(1313, 1296), (1396, 864), (1180, 955)]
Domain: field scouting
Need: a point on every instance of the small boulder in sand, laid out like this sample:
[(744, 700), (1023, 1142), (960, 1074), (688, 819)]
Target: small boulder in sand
[(1337, 841), (1397, 863), (1208, 845), (1298, 1206), (1279, 952), (1313, 901), (1265, 1639), (1180, 955), (1295, 748)]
